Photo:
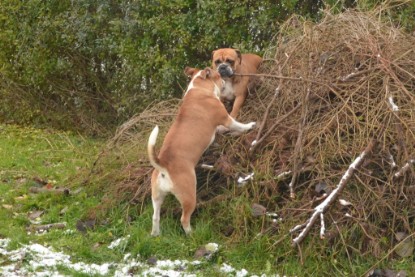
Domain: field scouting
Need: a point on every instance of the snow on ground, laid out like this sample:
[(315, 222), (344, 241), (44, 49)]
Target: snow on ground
[(35, 260)]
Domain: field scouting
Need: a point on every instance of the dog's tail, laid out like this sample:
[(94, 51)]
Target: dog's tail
[(151, 152)]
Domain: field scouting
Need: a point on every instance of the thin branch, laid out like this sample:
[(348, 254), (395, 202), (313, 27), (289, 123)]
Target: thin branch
[(298, 144), (387, 255), (320, 209), (265, 118), (271, 129), (276, 94), (404, 168), (47, 227)]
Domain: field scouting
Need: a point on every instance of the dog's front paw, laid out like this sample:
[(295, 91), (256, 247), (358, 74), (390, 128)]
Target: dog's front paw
[(221, 129), (252, 125)]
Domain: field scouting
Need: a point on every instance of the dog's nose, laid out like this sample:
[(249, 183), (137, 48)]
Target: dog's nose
[(225, 70)]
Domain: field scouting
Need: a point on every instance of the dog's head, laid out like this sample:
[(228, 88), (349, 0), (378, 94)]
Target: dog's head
[(226, 61), (198, 77)]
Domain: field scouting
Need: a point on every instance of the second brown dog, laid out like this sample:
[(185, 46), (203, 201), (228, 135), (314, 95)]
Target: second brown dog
[(229, 63)]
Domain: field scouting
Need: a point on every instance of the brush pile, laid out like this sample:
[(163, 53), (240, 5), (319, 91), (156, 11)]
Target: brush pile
[(327, 91)]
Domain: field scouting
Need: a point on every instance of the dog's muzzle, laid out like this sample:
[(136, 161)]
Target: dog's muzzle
[(225, 70)]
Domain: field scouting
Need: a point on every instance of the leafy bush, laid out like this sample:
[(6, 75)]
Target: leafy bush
[(90, 65)]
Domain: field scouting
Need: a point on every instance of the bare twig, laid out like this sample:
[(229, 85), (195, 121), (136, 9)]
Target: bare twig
[(276, 94), (264, 119), (387, 255), (320, 209), (271, 129), (298, 145), (404, 168), (47, 227)]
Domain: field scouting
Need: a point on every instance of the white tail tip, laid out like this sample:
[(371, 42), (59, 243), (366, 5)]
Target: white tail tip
[(153, 136)]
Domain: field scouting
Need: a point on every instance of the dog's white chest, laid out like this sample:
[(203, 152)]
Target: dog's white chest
[(228, 91)]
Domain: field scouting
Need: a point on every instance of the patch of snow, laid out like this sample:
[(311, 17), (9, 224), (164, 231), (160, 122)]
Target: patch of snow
[(394, 107), (241, 273), (116, 243), (69, 232), (42, 261), (35, 260), (344, 202), (244, 180), (225, 268), (212, 247)]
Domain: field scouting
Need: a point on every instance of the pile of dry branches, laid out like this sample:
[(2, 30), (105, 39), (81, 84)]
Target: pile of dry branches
[(329, 91), (335, 108)]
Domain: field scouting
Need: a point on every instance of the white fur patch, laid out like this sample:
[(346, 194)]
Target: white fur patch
[(228, 91), (217, 91), (164, 182), (153, 136), (191, 82)]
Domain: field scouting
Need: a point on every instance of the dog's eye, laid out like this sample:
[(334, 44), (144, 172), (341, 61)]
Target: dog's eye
[(231, 62), (217, 62)]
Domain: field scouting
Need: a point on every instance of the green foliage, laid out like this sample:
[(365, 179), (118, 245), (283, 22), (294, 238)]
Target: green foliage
[(90, 65)]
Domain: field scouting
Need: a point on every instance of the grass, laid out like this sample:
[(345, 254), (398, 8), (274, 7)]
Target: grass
[(61, 158)]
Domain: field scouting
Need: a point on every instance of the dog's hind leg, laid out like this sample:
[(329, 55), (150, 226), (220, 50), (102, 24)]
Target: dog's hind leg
[(158, 182), (186, 195), (157, 201), (188, 207)]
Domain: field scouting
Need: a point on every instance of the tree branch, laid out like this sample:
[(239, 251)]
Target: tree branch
[(323, 206)]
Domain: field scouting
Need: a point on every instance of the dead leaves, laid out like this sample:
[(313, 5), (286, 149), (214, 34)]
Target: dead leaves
[(405, 246)]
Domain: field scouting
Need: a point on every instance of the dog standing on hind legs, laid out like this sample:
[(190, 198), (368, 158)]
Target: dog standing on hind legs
[(191, 133)]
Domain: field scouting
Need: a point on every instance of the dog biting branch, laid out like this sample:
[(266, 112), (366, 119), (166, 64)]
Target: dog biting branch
[(321, 208)]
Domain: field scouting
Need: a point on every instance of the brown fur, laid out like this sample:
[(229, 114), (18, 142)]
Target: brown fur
[(191, 133), (240, 64)]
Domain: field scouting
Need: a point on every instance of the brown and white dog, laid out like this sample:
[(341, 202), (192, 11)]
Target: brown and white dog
[(191, 133), (228, 61)]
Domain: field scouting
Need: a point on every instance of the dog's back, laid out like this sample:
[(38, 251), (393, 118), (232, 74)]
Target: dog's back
[(251, 63)]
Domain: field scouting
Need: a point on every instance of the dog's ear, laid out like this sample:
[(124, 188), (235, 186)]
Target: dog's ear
[(189, 71), (213, 53), (239, 55), (206, 73)]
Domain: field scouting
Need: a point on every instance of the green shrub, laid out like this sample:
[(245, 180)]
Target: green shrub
[(90, 65)]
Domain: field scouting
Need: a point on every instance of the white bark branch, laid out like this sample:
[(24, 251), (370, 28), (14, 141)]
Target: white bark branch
[(404, 168), (322, 228), (323, 206)]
